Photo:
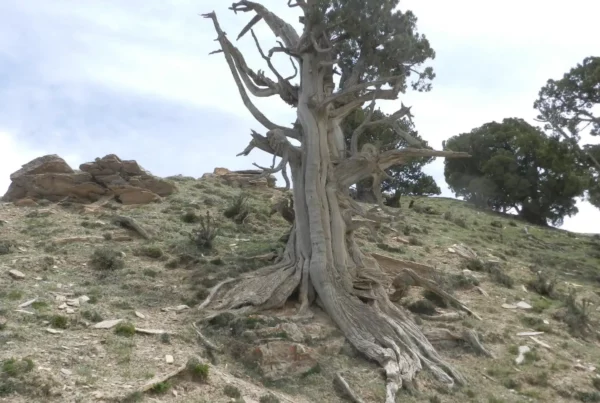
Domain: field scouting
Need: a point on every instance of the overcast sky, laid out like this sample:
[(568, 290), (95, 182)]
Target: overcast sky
[(88, 78)]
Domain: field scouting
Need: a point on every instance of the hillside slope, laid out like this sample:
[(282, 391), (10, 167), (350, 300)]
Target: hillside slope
[(64, 268)]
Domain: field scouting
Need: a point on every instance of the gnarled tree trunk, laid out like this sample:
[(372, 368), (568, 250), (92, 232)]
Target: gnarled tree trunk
[(321, 259)]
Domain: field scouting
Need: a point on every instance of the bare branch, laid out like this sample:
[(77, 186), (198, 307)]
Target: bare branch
[(391, 120), (287, 91), (279, 27), (355, 89), (226, 45), (295, 70), (347, 108), (360, 129), (249, 26), (369, 162), (282, 49), (277, 144), (391, 158), (318, 48), (299, 3)]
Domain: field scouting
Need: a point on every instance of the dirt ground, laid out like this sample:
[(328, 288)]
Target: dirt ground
[(66, 268)]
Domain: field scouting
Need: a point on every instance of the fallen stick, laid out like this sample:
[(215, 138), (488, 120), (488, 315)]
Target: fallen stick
[(207, 343), (161, 379), (341, 382), (213, 291), (130, 223)]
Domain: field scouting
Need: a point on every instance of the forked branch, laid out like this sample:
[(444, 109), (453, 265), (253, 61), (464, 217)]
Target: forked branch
[(391, 120), (287, 91), (226, 47), (358, 88), (280, 28), (365, 164)]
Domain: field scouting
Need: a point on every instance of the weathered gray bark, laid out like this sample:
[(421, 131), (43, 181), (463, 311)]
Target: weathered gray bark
[(321, 258)]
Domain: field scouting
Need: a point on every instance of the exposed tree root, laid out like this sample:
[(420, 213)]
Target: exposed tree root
[(207, 343), (346, 389), (378, 329), (446, 317), (468, 336)]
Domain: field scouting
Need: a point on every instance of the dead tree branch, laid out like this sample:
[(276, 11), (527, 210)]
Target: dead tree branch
[(279, 27), (225, 46), (391, 120), (287, 91), (357, 88)]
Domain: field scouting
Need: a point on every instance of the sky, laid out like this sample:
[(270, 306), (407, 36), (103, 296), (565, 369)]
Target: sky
[(89, 78)]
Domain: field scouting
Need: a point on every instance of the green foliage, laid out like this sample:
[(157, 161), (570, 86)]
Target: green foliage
[(577, 315), (106, 259), (161, 388), (197, 370), (5, 247), (204, 236), (238, 209), (270, 398), (568, 104), (232, 391), (59, 322), (152, 251), (190, 217), (125, 329), (13, 367), (543, 284), (362, 34), (515, 165)]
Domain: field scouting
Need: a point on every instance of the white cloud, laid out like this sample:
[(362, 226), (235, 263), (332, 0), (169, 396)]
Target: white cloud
[(135, 78)]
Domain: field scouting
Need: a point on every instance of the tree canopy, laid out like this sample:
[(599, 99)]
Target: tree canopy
[(407, 179), (570, 105), (516, 165)]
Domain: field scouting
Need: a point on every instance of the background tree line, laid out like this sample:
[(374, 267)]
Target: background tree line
[(539, 173)]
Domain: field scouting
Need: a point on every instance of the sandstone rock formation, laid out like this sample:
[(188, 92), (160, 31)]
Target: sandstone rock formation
[(244, 178), (51, 178)]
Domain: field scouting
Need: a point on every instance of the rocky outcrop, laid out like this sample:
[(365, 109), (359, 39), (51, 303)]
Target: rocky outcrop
[(244, 178), (51, 178)]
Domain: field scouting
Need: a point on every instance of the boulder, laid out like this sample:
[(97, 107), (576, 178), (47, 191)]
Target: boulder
[(51, 178), (283, 359)]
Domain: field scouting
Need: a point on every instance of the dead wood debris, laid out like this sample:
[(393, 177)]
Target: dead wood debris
[(131, 224)]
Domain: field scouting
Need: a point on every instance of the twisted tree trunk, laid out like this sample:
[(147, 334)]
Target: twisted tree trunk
[(322, 260)]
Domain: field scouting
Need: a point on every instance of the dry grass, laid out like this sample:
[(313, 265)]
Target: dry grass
[(124, 278)]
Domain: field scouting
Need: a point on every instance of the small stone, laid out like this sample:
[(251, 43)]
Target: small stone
[(149, 331), (523, 305), (70, 311), (169, 359), (73, 302), (107, 324), (451, 250), (530, 333), (16, 274), (62, 306), (66, 372), (509, 306), (140, 315), (522, 351), (53, 331), (83, 299), (27, 303), (61, 298), (546, 322)]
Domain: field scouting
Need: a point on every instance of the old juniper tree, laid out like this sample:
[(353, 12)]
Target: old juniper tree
[(376, 52)]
